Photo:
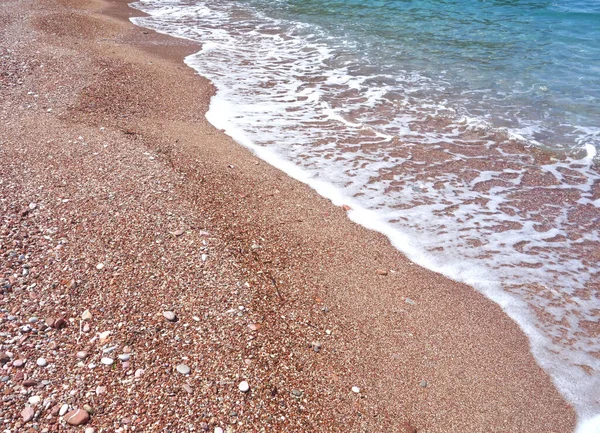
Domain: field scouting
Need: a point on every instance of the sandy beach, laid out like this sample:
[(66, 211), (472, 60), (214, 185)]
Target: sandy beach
[(121, 203)]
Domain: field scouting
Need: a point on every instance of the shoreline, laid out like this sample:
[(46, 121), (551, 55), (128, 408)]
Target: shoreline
[(301, 257)]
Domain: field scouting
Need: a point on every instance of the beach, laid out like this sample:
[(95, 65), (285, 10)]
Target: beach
[(121, 202)]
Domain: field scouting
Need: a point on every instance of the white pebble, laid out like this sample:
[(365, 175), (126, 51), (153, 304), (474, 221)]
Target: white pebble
[(86, 315), (124, 357), (63, 409), (100, 266), (244, 386), (34, 400), (355, 389), (41, 362), (218, 430), (107, 361)]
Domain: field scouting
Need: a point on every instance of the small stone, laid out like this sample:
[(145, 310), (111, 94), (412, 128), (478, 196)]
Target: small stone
[(139, 372), (355, 389), (409, 301), (124, 357), (187, 388), (86, 328), (18, 363), (41, 362), (77, 417), (244, 386), (89, 430), (63, 409), (423, 384), (33, 400), (4, 358), (28, 383), (317, 346), (58, 323), (107, 361), (100, 266), (381, 272), (82, 354), (183, 369), (27, 414), (86, 315), (170, 316), (254, 326), (204, 426), (104, 336), (126, 349), (125, 365), (100, 390), (218, 430), (88, 409), (178, 233)]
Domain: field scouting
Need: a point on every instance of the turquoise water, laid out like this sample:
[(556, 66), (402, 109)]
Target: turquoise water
[(466, 132), (533, 66)]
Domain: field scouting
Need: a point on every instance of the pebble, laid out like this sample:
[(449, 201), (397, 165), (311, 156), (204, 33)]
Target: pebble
[(33, 400), (355, 389), (107, 361), (100, 266), (409, 301), (33, 319), (317, 345), (63, 409), (27, 414), (82, 354), (187, 388), (423, 384), (170, 316), (124, 357), (18, 363), (29, 382), (183, 369), (104, 336), (86, 315), (4, 358), (244, 386), (86, 328), (77, 417), (218, 430), (139, 372), (41, 362), (89, 430), (100, 389)]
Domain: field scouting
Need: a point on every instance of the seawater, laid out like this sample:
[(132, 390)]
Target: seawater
[(465, 131)]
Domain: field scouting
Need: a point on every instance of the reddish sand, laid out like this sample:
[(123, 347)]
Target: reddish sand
[(107, 159)]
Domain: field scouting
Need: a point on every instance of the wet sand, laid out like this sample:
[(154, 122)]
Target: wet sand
[(114, 164)]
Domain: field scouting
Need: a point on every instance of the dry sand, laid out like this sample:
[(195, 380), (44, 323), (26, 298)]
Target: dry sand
[(119, 198)]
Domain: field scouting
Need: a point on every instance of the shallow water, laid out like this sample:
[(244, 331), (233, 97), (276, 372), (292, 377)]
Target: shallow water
[(464, 131)]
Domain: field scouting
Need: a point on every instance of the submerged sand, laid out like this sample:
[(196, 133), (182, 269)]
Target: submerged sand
[(119, 198)]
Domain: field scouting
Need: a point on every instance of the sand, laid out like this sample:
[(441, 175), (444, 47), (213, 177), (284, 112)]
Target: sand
[(118, 197)]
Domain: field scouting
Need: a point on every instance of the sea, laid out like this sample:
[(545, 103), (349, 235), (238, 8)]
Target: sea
[(466, 131)]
